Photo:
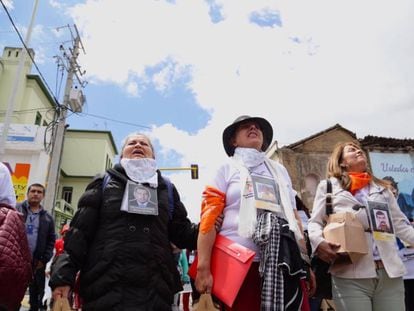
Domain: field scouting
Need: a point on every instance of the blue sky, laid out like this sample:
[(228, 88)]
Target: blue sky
[(182, 70)]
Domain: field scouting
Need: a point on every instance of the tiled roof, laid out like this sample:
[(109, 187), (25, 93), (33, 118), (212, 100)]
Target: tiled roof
[(386, 142), (334, 127)]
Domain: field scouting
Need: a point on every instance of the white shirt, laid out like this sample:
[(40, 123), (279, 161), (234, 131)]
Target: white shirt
[(227, 180), (7, 194)]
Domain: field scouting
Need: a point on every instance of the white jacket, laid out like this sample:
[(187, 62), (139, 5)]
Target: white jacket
[(342, 201), (7, 194)]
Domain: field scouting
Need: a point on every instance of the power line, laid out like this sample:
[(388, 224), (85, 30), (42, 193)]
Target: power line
[(60, 67), (80, 114), (28, 52), (114, 120), (27, 110)]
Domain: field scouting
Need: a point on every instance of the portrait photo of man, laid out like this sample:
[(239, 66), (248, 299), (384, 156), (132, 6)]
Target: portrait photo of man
[(382, 222), (141, 198)]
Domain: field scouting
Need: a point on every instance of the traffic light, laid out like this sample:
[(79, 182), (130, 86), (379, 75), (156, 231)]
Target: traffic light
[(194, 171)]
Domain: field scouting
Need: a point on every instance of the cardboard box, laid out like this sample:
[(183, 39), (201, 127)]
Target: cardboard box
[(346, 230)]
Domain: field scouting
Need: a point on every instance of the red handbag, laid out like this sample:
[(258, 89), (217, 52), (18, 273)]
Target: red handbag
[(230, 263)]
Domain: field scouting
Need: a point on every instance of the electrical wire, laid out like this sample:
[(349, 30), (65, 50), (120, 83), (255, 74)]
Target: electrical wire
[(26, 110), (51, 126), (28, 53), (59, 83), (114, 120)]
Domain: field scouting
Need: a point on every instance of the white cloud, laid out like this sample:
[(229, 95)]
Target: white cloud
[(169, 74), (347, 62), (132, 88), (55, 4), (8, 4)]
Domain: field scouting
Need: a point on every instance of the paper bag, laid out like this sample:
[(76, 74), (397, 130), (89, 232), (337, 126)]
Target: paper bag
[(205, 303), (345, 229), (61, 304), (230, 263)]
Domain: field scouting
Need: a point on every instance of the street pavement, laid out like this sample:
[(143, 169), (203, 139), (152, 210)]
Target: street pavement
[(25, 304)]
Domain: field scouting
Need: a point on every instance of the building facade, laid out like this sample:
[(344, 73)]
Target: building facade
[(306, 162), (86, 153), (27, 150), (28, 143), (306, 159)]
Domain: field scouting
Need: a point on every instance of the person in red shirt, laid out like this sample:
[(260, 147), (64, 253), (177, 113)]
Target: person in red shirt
[(59, 244)]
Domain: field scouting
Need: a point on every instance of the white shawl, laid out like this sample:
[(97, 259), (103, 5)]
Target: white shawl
[(247, 213)]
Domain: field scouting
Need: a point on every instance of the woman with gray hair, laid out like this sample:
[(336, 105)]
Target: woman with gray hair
[(123, 253)]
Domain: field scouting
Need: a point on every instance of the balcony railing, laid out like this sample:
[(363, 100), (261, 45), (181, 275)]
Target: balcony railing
[(63, 213)]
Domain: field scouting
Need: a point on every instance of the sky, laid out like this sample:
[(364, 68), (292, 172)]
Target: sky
[(181, 71)]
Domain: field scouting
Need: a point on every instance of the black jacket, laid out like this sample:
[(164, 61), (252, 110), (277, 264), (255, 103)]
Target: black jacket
[(125, 259), (46, 236)]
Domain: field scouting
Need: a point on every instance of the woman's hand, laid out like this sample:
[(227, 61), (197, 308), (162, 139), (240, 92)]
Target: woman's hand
[(219, 222), (61, 292), (311, 283), (204, 280), (326, 251)]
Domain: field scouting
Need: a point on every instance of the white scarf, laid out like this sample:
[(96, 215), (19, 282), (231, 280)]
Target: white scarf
[(249, 156), (141, 170), (246, 158)]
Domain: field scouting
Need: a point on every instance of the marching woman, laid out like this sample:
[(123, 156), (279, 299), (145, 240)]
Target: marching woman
[(123, 251), (266, 224), (375, 280)]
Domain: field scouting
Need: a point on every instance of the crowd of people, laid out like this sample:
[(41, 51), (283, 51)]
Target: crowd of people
[(129, 244)]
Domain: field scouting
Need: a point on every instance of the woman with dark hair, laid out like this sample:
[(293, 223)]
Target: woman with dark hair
[(372, 281)]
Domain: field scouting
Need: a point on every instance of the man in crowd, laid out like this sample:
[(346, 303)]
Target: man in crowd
[(40, 232)]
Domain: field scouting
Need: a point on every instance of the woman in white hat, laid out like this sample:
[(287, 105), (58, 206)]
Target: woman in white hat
[(266, 225)]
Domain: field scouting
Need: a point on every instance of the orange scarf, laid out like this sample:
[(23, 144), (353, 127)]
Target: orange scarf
[(211, 207), (359, 181)]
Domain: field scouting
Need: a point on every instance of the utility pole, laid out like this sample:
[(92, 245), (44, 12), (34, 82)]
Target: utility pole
[(54, 166)]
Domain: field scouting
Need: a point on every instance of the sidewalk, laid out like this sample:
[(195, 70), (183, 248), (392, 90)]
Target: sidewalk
[(25, 303)]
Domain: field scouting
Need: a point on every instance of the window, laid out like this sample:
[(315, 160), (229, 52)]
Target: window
[(108, 163), (67, 194), (38, 118)]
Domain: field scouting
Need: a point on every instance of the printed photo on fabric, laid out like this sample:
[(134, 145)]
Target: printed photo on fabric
[(266, 194), (140, 199), (380, 219)]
